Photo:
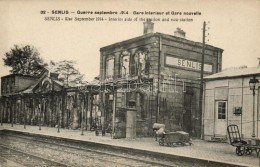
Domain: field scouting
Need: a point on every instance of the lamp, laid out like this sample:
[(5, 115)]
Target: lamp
[(253, 84)]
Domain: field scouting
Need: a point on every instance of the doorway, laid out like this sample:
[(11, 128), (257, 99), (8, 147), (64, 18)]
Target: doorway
[(221, 118), (187, 118)]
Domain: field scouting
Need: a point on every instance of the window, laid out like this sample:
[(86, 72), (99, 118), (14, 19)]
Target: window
[(124, 64), (221, 108), (109, 68), (46, 86), (133, 66), (140, 63)]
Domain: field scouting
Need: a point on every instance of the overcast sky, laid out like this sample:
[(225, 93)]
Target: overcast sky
[(234, 26)]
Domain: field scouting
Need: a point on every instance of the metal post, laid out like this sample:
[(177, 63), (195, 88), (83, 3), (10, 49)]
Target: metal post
[(82, 99), (253, 84), (86, 113), (59, 115), (253, 133), (91, 109), (12, 116), (24, 113), (40, 107)]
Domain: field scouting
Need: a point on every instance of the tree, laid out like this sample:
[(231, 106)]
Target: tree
[(69, 75), (24, 60)]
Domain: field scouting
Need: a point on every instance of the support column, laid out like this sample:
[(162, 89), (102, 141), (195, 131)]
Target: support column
[(85, 111), (59, 113), (24, 113), (39, 113), (82, 113), (63, 107)]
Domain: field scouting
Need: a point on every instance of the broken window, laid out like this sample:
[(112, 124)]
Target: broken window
[(124, 62), (140, 63), (133, 70), (110, 68)]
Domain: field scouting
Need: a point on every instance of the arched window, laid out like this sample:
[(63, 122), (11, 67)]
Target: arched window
[(140, 62), (124, 64)]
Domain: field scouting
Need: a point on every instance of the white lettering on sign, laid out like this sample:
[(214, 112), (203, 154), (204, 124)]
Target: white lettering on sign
[(187, 64)]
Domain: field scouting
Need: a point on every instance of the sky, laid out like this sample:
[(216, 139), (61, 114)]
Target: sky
[(233, 25)]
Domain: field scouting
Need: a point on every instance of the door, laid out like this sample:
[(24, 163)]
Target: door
[(221, 118), (187, 121)]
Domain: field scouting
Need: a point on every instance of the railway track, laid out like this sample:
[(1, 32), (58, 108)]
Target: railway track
[(27, 159), (74, 154)]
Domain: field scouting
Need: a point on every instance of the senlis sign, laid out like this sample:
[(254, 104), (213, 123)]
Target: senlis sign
[(173, 61)]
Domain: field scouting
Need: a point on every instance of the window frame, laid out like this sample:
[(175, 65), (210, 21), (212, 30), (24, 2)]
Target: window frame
[(220, 114)]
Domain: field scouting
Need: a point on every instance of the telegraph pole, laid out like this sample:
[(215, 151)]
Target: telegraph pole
[(201, 78)]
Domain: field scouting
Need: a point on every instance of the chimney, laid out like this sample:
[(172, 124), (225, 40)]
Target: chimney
[(148, 27), (179, 33)]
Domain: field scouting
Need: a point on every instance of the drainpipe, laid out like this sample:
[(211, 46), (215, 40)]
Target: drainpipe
[(114, 116), (227, 105), (257, 114), (214, 117), (158, 84)]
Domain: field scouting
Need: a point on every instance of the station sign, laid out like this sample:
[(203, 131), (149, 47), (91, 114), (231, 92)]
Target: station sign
[(189, 64)]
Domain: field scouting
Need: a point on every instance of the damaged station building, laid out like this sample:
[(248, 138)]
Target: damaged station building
[(154, 78), (42, 100)]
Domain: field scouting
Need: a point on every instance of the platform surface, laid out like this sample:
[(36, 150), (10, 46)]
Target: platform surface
[(211, 151)]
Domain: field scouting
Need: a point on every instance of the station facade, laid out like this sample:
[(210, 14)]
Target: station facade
[(155, 79)]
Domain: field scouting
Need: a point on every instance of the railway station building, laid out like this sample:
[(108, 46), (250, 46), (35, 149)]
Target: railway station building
[(154, 78), (232, 97)]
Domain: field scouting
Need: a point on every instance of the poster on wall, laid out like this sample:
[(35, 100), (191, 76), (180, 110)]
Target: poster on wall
[(68, 68)]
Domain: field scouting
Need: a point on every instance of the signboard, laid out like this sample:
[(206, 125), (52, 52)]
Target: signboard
[(174, 61)]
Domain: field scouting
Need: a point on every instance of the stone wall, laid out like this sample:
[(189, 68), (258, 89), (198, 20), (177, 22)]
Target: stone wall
[(173, 104)]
